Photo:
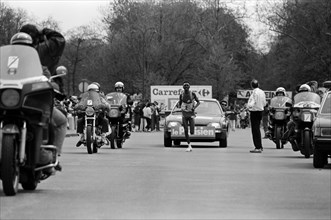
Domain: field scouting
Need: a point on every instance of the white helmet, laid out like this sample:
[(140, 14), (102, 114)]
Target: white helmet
[(280, 90), (119, 85), (304, 88), (93, 87), (21, 38)]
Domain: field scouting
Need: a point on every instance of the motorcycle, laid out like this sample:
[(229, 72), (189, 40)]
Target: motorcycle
[(27, 153), (304, 113), (92, 130), (118, 119), (279, 115)]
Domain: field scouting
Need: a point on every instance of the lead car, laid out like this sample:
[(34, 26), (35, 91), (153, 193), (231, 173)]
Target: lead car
[(211, 124)]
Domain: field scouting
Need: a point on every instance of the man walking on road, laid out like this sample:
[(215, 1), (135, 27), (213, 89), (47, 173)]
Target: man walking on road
[(256, 104)]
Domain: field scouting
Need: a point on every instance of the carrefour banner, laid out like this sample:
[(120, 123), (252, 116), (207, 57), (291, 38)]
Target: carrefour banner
[(168, 95), (245, 94)]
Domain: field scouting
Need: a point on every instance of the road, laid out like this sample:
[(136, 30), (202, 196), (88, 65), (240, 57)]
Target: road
[(144, 180)]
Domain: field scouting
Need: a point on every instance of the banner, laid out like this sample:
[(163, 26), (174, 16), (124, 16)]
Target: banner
[(245, 94)]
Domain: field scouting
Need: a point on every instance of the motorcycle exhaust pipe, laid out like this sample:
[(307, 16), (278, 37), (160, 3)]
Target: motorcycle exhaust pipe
[(22, 143)]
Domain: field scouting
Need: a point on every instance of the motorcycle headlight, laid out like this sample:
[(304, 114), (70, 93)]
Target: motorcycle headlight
[(89, 111), (10, 97), (114, 113)]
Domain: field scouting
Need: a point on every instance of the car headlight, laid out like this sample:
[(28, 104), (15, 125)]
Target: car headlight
[(214, 124), (10, 97), (173, 124), (89, 111), (326, 132)]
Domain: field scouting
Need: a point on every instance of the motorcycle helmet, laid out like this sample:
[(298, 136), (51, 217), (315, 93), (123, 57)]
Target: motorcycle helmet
[(22, 39), (119, 85), (304, 88), (97, 84), (280, 90), (93, 87)]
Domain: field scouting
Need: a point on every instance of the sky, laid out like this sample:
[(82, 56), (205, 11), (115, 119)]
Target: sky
[(74, 13)]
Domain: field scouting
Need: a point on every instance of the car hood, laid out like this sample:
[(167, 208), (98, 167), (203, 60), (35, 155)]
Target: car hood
[(199, 119)]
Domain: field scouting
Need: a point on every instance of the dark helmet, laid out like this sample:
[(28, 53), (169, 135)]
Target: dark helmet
[(21, 38), (119, 85), (33, 31), (254, 83)]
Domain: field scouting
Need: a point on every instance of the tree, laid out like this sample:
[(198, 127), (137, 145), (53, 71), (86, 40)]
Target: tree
[(10, 22)]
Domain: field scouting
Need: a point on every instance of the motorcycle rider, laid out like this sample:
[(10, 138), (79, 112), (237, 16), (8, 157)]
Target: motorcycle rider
[(100, 103), (49, 45), (119, 87), (280, 91)]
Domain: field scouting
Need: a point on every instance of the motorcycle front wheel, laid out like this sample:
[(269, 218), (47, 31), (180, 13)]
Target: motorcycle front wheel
[(112, 137), (10, 170), (89, 139), (306, 143)]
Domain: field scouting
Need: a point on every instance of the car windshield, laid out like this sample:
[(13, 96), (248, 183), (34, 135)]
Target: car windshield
[(209, 108), (279, 101), (326, 108)]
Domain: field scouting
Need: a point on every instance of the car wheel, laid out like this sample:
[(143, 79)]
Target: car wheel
[(223, 142), (167, 140), (319, 158)]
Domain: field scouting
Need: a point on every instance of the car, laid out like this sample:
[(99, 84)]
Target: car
[(322, 132), (211, 124)]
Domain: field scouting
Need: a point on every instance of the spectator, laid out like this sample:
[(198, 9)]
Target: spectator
[(256, 104)]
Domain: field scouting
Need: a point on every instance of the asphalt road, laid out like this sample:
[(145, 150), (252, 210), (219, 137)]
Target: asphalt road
[(144, 180)]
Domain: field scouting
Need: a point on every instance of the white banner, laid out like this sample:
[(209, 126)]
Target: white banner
[(169, 95), (245, 94)]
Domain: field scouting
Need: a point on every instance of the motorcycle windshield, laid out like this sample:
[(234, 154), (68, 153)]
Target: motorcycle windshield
[(280, 102), (307, 100), (18, 62), (90, 98), (116, 98)]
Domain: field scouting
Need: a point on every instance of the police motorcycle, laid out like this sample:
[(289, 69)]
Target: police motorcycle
[(91, 110), (279, 115), (27, 153), (306, 105), (119, 119)]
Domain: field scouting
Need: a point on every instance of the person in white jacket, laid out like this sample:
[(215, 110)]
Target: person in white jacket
[(256, 104)]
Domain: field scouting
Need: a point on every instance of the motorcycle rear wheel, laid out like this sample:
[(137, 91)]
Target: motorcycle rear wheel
[(10, 170), (89, 139)]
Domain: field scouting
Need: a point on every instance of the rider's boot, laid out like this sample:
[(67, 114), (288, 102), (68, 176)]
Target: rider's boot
[(81, 140), (104, 139)]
